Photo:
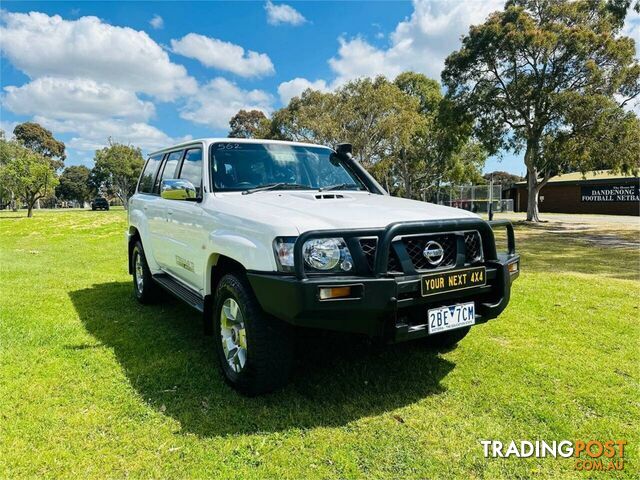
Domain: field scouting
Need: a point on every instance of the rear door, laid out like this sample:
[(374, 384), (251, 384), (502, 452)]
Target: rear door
[(146, 206)]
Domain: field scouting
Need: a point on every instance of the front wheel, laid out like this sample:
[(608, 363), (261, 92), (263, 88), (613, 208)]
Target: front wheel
[(447, 340), (144, 287), (255, 350)]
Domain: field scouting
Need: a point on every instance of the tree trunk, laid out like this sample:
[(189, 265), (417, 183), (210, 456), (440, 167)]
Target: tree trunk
[(29, 210), (532, 196), (530, 159)]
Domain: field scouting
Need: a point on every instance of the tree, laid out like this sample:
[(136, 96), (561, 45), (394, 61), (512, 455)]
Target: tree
[(311, 117), (377, 118), (441, 149), (37, 138), (117, 168), (505, 179), (248, 124), (28, 175), (372, 114), (538, 77), (74, 184)]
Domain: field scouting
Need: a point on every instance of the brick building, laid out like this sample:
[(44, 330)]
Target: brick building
[(596, 192)]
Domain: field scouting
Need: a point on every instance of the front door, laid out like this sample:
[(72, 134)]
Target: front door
[(187, 231), (162, 247)]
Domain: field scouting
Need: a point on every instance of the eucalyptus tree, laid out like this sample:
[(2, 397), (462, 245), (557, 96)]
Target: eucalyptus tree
[(550, 77), (116, 170), (248, 124)]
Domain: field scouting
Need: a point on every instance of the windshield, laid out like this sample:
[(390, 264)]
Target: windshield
[(243, 166)]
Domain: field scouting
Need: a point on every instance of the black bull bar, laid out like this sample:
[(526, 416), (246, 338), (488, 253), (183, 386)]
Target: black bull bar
[(385, 237)]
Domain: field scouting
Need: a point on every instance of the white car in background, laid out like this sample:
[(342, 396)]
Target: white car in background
[(264, 236)]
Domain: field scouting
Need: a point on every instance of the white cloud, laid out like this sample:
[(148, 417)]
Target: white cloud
[(78, 98), (8, 127), (215, 53), (419, 43), (217, 101), (157, 22), (90, 136), (357, 58), (42, 45), (295, 87), (283, 14)]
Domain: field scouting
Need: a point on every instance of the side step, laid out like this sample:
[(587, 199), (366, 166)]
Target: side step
[(188, 295)]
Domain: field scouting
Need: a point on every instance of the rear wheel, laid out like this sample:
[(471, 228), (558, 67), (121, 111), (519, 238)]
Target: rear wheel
[(255, 350), (447, 340), (144, 287)]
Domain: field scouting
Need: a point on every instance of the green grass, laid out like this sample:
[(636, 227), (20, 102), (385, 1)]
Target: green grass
[(94, 385)]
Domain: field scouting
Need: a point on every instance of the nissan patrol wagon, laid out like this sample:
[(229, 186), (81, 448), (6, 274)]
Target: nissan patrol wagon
[(264, 236)]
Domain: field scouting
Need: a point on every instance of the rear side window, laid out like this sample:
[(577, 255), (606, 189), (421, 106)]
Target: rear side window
[(149, 173), (169, 168), (192, 167)]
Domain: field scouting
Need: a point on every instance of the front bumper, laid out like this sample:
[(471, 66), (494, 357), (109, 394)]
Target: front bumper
[(385, 306)]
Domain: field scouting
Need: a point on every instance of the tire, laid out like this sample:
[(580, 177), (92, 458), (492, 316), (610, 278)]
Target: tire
[(447, 340), (107, 209), (265, 342), (146, 290)]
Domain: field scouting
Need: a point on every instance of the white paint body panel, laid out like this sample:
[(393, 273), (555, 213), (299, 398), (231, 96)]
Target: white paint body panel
[(243, 227)]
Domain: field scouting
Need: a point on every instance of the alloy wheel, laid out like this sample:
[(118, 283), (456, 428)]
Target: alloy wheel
[(233, 335)]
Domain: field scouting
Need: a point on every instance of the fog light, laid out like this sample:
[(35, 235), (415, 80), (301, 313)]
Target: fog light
[(513, 267), (327, 293)]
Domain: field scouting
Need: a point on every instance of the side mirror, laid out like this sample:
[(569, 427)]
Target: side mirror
[(175, 189)]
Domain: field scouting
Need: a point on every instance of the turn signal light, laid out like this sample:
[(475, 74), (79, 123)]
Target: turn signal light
[(513, 267), (327, 293)]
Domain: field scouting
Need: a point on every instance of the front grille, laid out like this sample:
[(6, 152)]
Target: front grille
[(369, 246), (415, 248), (415, 245), (473, 245)]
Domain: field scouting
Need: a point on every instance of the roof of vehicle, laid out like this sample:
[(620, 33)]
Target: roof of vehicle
[(210, 140)]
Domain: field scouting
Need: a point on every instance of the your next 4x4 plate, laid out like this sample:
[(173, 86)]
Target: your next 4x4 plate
[(453, 280)]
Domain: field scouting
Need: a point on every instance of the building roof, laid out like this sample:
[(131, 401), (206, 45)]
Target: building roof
[(590, 176)]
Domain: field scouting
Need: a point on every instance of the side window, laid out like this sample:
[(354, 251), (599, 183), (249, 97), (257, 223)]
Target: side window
[(192, 167), (169, 168), (149, 173)]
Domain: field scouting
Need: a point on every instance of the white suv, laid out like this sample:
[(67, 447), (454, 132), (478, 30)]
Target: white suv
[(263, 236)]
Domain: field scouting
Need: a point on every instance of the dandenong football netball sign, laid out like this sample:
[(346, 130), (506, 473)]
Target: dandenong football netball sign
[(610, 193)]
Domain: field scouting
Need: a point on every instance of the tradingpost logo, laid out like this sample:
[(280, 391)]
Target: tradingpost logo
[(590, 455)]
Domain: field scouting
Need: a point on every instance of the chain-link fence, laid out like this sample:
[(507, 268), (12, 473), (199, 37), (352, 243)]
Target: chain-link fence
[(475, 198)]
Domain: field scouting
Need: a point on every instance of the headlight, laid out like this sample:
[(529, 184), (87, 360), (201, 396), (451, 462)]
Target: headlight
[(327, 254)]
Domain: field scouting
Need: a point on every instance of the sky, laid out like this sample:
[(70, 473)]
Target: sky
[(156, 73)]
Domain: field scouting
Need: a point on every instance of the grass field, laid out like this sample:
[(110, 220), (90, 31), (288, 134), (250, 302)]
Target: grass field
[(93, 385)]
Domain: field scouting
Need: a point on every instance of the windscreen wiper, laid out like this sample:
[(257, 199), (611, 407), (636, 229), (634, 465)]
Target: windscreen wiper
[(339, 186), (276, 186)]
